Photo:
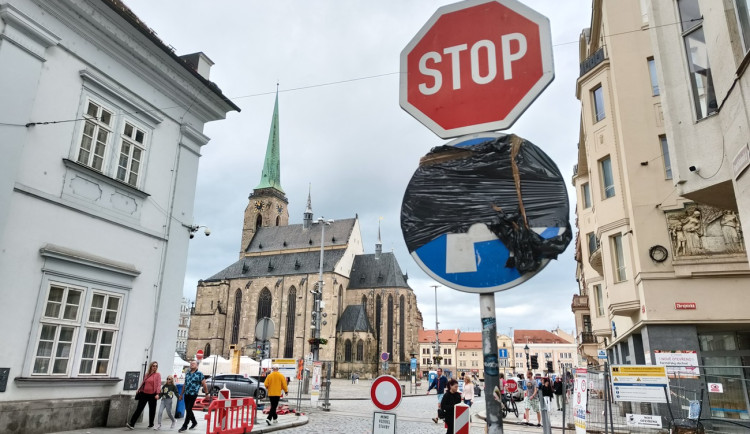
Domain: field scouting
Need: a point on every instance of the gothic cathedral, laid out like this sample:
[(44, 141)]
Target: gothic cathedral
[(368, 307)]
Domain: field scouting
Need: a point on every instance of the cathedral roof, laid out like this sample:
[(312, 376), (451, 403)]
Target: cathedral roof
[(280, 238), (354, 319), (376, 271), (282, 264)]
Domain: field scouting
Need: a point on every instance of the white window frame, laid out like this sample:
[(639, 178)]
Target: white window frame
[(58, 322), (129, 170), (654, 78), (598, 103), (80, 325), (618, 258), (742, 9), (101, 122), (701, 82), (608, 187), (599, 298), (665, 156), (586, 195)]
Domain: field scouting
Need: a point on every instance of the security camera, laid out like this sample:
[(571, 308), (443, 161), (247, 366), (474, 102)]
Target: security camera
[(693, 169), (207, 231), (192, 235)]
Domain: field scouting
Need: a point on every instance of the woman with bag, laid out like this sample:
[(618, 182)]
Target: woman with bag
[(147, 394)]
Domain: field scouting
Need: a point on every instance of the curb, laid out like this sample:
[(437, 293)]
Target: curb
[(302, 420)]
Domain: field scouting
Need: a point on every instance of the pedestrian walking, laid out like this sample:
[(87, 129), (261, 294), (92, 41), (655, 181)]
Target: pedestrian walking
[(547, 393), (168, 391), (557, 388), (275, 383), (147, 393), (447, 405), (194, 381), (468, 395), (531, 402), (439, 384)]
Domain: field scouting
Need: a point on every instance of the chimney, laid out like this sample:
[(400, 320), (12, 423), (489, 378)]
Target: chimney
[(199, 62)]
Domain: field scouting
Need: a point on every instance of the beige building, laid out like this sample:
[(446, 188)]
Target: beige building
[(551, 349), (429, 359), (367, 308), (662, 265)]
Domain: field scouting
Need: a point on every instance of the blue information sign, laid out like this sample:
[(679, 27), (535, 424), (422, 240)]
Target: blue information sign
[(413, 364), (454, 207), (502, 353)]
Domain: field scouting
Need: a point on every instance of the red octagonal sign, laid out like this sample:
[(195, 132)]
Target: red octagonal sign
[(476, 66)]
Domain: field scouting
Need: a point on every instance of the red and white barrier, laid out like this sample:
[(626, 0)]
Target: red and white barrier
[(231, 416), (461, 419)]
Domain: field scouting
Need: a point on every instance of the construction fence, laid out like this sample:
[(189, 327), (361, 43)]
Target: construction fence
[(719, 397)]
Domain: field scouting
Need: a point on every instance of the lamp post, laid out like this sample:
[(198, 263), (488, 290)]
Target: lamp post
[(437, 335), (526, 350), (318, 294)]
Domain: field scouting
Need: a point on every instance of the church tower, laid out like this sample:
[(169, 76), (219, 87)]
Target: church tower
[(267, 204)]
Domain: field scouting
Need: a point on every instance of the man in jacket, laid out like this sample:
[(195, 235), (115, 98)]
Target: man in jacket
[(439, 384), (275, 383)]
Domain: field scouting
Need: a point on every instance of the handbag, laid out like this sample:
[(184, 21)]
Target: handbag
[(138, 395)]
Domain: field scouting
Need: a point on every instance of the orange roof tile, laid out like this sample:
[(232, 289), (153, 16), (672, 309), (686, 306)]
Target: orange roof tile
[(537, 337)]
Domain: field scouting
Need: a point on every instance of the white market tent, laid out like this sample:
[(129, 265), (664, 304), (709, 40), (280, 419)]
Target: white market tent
[(248, 366), (178, 365)]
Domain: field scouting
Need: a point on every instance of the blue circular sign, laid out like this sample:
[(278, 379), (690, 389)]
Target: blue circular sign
[(485, 213)]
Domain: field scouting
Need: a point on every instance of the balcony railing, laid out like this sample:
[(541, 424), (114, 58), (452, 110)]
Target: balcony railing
[(580, 302), (587, 338)]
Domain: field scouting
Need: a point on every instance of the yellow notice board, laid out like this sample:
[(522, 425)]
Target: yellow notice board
[(640, 383), (639, 371)]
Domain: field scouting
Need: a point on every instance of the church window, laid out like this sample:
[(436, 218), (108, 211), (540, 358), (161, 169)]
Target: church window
[(264, 304), (390, 327), (348, 351), (364, 302), (360, 350), (378, 305), (278, 220), (236, 319), (341, 299), (258, 221), (207, 350), (290, 317), (401, 331)]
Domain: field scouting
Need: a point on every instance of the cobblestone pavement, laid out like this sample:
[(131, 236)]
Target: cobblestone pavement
[(351, 412)]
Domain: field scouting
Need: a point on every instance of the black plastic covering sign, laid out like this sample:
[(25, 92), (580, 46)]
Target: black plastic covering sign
[(485, 212)]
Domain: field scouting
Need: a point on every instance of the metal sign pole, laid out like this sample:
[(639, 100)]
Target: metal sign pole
[(491, 371)]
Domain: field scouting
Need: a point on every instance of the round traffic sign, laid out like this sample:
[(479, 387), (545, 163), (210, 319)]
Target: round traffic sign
[(199, 355), (511, 386), (476, 66), (485, 212), (385, 392), (384, 357)]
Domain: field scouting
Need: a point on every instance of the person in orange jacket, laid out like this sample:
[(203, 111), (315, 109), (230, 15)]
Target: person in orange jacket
[(275, 383)]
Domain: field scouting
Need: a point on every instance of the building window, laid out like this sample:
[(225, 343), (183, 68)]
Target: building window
[(401, 328), (593, 243), (68, 317), (360, 350), (654, 78), (586, 193), (389, 334), (743, 16), (264, 304), (701, 82), (291, 315), (608, 182), (665, 155), (237, 316), (619, 258), (348, 351), (97, 128), (598, 100), (599, 300), (132, 149)]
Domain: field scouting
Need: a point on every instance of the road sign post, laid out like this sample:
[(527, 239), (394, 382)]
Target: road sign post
[(476, 66)]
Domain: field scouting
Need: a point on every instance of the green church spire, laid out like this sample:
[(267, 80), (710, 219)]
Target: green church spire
[(271, 176)]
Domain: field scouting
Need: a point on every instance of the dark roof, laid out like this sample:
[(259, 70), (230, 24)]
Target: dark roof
[(279, 238), (283, 264), (373, 271), (126, 13), (354, 319)]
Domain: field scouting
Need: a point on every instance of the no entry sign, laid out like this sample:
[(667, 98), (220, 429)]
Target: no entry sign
[(199, 355), (385, 392), (476, 66)]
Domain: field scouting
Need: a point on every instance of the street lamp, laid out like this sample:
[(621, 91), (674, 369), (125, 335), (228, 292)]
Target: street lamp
[(318, 294), (526, 350), (437, 335)]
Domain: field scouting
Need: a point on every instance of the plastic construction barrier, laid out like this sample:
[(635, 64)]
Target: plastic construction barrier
[(231, 416)]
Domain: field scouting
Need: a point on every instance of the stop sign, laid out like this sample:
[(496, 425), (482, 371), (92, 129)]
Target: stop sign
[(199, 355), (476, 66)]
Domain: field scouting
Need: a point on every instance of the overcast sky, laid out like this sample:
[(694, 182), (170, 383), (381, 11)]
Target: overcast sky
[(343, 132)]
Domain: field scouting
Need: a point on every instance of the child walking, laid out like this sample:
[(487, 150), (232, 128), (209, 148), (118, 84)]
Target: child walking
[(168, 391)]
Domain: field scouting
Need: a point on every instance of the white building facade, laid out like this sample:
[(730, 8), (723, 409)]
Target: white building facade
[(183, 327), (101, 130)]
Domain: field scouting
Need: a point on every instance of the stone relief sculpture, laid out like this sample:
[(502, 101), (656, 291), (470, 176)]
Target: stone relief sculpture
[(704, 230)]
